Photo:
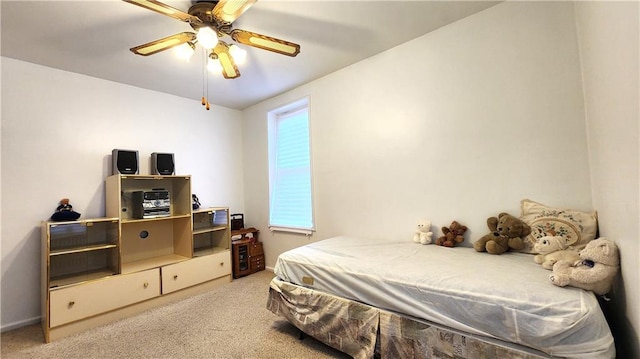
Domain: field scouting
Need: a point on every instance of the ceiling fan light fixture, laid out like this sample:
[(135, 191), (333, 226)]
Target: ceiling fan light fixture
[(213, 65), (186, 50), (210, 19), (239, 54), (207, 37)]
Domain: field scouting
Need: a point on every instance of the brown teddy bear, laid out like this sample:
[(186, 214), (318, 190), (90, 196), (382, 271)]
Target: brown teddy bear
[(595, 272), (506, 233), (452, 235)]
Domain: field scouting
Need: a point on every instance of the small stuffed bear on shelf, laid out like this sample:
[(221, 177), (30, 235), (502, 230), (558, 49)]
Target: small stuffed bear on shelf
[(423, 234), (65, 212)]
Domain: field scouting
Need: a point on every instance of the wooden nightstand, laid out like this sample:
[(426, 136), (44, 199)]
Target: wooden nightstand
[(248, 254)]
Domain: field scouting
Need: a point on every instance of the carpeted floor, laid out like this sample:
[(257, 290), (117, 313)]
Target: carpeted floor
[(229, 322)]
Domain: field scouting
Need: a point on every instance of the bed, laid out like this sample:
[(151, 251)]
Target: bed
[(395, 299)]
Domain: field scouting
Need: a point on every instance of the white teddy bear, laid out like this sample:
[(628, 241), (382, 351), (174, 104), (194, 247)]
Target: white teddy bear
[(552, 249), (423, 234), (595, 272)]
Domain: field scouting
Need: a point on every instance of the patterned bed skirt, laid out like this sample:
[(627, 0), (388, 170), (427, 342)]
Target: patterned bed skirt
[(363, 331)]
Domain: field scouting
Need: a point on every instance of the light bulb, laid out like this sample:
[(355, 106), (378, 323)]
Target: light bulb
[(214, 65), (207, 37), (185, 51), (239, 54)]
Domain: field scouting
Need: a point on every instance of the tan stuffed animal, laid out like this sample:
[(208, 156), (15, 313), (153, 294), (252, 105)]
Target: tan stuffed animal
[(423, 234), (452, 235), (596, 271), (506, 233), (552, 249)]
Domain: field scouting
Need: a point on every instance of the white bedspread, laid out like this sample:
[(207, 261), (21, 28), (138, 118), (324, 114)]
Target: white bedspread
[(505, 296)]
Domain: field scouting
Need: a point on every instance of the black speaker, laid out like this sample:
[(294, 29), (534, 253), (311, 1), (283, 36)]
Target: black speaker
[(125, 162), (162, 164)]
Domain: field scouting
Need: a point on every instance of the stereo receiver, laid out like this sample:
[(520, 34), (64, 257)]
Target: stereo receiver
[(151, 204)]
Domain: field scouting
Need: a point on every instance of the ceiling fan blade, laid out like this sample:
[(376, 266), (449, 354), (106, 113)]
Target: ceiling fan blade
[(230, 10), (265, 42), (163, 44), (165, 10), (229, 68)]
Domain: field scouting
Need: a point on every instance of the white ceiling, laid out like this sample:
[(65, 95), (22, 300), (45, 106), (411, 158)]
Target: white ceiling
[(93, 37)]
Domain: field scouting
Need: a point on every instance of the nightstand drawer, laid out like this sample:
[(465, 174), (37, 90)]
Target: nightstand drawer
[(85, 300), (255, 249), (256, 263)]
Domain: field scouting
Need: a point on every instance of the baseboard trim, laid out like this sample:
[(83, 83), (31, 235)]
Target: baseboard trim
[(20, 324)]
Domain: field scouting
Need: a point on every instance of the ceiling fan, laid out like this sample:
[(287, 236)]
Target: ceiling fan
[(212, 20)]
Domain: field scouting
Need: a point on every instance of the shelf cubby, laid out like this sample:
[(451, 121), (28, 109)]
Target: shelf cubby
[(210, 231), (78, 251)]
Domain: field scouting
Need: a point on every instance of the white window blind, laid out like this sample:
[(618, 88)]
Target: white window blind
[(291, 206)]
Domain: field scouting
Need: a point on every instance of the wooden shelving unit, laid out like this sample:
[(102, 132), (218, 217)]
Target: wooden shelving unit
[(103, 269)]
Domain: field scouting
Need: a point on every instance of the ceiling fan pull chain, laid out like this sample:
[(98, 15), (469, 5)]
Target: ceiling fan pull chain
[(205, 78), (207, 107), (204, 100)]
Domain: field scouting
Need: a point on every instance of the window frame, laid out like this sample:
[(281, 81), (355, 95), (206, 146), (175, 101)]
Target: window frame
[(273, 117)]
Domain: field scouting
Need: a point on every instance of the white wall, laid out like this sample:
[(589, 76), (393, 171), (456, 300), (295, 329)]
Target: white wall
[(609, 48), (58, 130), (459, 124)]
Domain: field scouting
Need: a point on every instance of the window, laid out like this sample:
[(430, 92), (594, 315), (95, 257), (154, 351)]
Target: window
[(290, 197)]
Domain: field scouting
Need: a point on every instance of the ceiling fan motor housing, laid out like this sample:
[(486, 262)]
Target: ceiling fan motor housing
[(203, 10)]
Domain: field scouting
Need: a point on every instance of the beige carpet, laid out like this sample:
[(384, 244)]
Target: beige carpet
[(229, 322)]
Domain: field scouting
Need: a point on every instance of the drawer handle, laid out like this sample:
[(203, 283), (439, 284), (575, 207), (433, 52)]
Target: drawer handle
[(71, 303), (175, 277), (221, 264), (146, 284)]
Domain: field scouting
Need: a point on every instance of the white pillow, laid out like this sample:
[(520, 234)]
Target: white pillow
[(576, 226)]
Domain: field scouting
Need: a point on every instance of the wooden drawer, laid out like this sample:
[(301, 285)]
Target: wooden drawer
[(255, 249), (195, 271), (85, 300), (256, 263)]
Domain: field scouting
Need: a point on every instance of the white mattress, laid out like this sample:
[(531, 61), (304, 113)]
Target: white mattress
[(505, 296)]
